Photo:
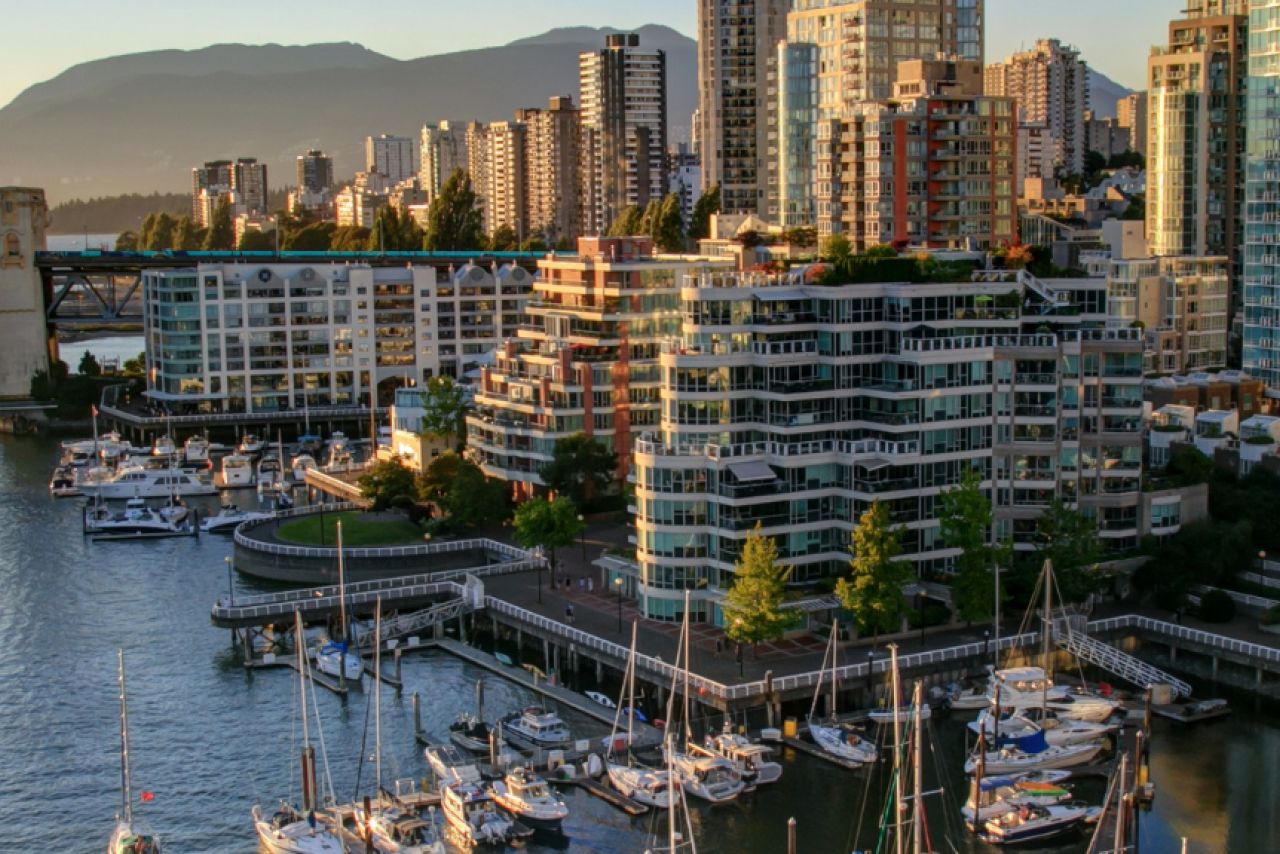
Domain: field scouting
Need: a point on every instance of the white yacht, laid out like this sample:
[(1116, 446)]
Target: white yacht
[(647, 786), (300, 465), (270, 477), (527, 796), (840, 740), (751, 760), (960, 698), (287, 831), (237, 470), (229, 518), (163, 447), (1033, 753), (137, 482), (136, 521), (1028, 687), (1033, 823), (399, 831), (472, 819), (334, 659), (538, 728), (196, 450), (172, 510), (250, 444), (63, 483), (1057, 731), (707, 776), (999, 795), (451, 765)]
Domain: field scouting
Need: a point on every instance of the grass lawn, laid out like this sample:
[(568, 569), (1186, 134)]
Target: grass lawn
[(356, 532)]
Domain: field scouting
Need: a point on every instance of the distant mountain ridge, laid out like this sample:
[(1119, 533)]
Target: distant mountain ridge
[(1104, 94), (138, 123)]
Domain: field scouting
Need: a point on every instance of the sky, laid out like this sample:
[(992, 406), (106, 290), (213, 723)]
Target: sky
[(43, 38)]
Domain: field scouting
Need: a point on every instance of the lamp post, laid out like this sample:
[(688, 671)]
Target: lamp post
[(922, 598), (582, 535), (1262, 560), (738, 622), (986, 639), (617, 582), (231, 590), (426, 538)]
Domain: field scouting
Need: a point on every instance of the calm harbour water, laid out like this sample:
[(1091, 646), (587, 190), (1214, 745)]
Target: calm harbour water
[(208, 737)]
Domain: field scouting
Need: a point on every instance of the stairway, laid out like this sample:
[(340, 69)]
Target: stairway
[(1120, 663), (407, 624)]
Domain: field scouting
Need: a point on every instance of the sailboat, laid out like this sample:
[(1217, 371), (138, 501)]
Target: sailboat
[(334, 659), (131, 835), (298, 831), (648, 786), (832, 736), (906, 824), (676, 841)]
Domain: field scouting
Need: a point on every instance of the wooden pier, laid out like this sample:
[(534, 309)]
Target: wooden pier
[(604, 793)]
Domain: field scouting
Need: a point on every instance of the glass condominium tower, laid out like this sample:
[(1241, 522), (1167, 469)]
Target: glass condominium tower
[(1262, 196)]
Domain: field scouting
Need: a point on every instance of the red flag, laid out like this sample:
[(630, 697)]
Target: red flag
[(147, 796), (94, 409)]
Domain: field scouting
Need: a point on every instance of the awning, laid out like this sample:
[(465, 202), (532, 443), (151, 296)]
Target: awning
[(873, 464), (779, 296), (169, 396), (754, 470)]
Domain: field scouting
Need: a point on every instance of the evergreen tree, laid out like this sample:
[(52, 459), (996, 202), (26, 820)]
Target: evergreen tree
[(630, 223), (257, 241), (454, 219), (580, 469), (650, 218), (534, 244), (668, 227), (503, 239), (874, 593), (144, 231), (222, 233), (564, 244), (127, 241), (700, 223), (186, 235), (89, 366), (313, 238), (444, 410), (160, 237), (549, 524), (350, 238), (393, 232), (753, 605)]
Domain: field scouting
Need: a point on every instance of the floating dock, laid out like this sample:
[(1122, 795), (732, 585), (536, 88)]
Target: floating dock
[(604, 793)]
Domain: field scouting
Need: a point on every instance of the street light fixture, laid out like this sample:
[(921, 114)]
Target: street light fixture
[(986, 639), (617, 582), (738, 622), (582, 535), (426, 538)]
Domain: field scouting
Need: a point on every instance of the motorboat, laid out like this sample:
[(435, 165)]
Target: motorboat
[(300, 465), (399, 831), (309, 444), (597, 697), (250, 444), (229, 518), (1029, 687), (472, 818), (172, 511), (1032, 823), (270, 476), (905, 713), (538, 728), (63, 483), (707, 776), (196, 450), (163, 446), (131, 836), (999, 795), (288, 831), (527, 796), (643, 785), (960, 698), (336, 660), (751, 760), (237, 470), (1034, 752), (1057, 731), (339, 453), (135, 521), (470, 733), (838, 739), (137, 482), (452, 765)]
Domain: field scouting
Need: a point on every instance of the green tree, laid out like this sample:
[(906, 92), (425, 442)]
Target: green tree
[(1127, 158), (187, 235), (160, 237), (89, 366), (386, 481), (966, 521), (700, 222), (549, 524), (649, 218), (881, 250), (1094, 163), (454, 219), (439, 475), (1074, 184), (1069, 539), (1137, 210), (667, 227), (753, 605), (257, 241), (803, 236), (393, 232), (313, 238), (580, 469), (874, 592), (1188, 467), (136, 365), (836, 248), (445, 405), (534, 244), (630, 223), (564, 244), (474, 499), (222, 233), (503, 239), (349, 238), (127, 241), (144, 231)]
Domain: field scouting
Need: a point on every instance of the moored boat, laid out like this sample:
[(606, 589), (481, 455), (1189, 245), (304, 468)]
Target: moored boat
[(529, 799), (537, 727)]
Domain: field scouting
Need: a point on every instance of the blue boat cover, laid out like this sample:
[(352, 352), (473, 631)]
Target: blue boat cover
[(1034, 743), (991, 783)]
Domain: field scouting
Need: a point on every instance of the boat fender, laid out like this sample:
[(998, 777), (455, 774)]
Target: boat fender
[(594, 766), (659, 724)]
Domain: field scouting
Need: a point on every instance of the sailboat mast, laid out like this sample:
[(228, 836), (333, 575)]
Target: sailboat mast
[(126, 787), (897, 752), (377, 695), (308, 767), (342, 590), (1048, 622), (631, 687), (688, 724), (917, 793)]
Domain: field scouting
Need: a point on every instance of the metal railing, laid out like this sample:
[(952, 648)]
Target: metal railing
[(1264, 580), (1133, 621)]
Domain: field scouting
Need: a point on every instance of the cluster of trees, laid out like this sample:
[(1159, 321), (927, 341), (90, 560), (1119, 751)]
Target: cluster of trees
[(112, 214), (662, 220), (454, 484)]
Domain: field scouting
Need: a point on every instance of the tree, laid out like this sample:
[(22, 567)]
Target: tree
[(349, 238), (803, 236), (700, 222), (393, 232), (454, 220), (503, 239), (667, 227), (1136, 211), (534, 244), (630, 223), (257, 241), (474, 499), (385, 482), (439, 475), (313, 238), (137, 365), (580, 469), (753, 605), (187, 235), (144, 231), (222, 234), (127, 241), (1094, 163), (549, 524), (1127, 158), (564, 244), (836, 248), (965, 514), (750, 238), (1073, 184), (874, 593), (445, 405), (160, 237), (1188, 467), (649, 219), (1069, 539), (881, 250), (89, 366), (1217, 606)]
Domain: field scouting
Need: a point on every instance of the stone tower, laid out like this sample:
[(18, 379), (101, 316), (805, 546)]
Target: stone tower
[(24, 346)]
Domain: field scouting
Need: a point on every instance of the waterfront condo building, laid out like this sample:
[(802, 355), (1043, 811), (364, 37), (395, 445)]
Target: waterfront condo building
[(393, 156), (1261, 297), (624, 129), (586, 360), (737, 94), (1051, 85), (279, 336), (1195, 137), (793, 404)]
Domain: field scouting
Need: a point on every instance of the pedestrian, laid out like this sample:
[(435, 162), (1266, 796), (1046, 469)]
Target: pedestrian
[(591, 585), (582, 583), (568, 613)]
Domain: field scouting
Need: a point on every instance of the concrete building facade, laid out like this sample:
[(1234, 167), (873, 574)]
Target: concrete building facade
[(553, 152), (1261, 290), (315, 172), (505, 189), (1051, 85), (393, 156), (1131, 113), (24, 219), (443, 150)]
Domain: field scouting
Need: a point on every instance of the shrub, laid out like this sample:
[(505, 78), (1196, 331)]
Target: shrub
[(1217, 607), (1271, 616)]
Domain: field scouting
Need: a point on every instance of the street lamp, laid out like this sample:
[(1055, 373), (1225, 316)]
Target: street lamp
[(986, 639), (582, 535), (426, 538), (738, 622), (922, 598), (617, 582), (537, 557), (231, 591)]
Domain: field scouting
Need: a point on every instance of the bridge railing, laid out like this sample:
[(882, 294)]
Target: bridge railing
[(1134, 621)]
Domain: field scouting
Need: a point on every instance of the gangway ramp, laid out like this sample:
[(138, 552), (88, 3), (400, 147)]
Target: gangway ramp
[(1120, 663)]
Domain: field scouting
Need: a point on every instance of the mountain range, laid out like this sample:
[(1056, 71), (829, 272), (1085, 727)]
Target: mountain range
[(139, 123)]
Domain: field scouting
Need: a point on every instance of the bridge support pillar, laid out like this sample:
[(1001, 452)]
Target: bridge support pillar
[(546, 653), (1173, 654), (555, 666), (519, 645), (1257, 676), (462, 628), (1215, 668), (599, 672)]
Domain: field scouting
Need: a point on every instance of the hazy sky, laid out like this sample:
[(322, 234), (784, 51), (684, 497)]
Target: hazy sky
[(43, 38)]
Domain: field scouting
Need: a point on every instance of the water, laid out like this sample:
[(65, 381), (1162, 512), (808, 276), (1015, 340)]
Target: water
[(120, 347), (208, 737), (77, 242)]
